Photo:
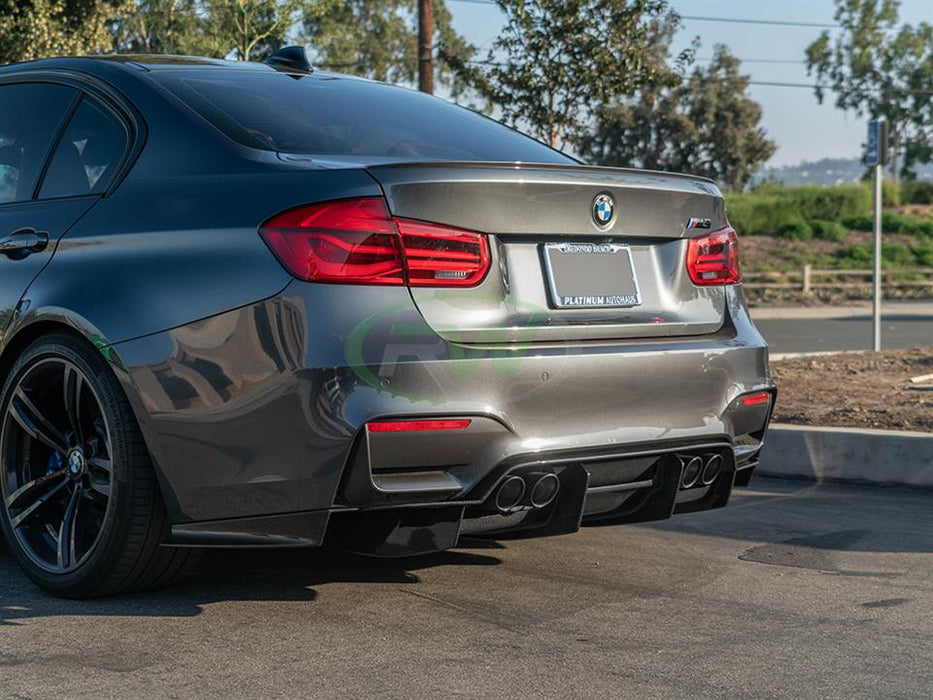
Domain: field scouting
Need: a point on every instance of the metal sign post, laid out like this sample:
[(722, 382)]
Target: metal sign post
[(876, 154)]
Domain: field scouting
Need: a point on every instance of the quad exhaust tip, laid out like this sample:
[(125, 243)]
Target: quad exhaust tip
[(699, 471), (712, 469), (535, 490), (691, 470), (510, 494), (544, 490)]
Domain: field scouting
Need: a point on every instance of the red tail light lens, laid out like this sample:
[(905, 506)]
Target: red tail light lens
[(713, 259), (437, 256), (350, 242), (357, 242)]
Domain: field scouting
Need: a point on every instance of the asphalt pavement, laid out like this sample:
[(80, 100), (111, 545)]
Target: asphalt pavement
[(794, 590), (826, 328)]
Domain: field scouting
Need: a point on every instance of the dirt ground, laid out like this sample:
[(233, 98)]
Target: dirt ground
[(869, 390)]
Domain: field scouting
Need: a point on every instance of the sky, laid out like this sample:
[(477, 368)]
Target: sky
[(802, 128)]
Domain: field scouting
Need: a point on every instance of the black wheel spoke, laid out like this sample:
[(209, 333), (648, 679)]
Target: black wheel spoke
[(73, 385), (24, 514), (66, 533), (101, 463), (35, 423), (56, 466), (32, 489), (101, 487)]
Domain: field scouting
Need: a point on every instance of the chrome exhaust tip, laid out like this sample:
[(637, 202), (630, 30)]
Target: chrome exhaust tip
[(691, 468), (509, 494), (712, 469), (544, 491)]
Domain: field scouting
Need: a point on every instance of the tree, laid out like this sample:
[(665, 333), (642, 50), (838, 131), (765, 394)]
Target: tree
[(159, 26), (559, 60), (31, 29), (250, 29), (706, 125), (378, 39), (880, 70)]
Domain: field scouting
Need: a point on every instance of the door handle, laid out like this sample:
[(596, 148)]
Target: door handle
[(22, 242)]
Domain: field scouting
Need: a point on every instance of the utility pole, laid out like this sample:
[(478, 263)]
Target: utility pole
[(876, 155), (426, 46)]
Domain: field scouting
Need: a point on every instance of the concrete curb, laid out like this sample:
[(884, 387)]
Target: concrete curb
[(888, 310), (848, 454), (778, 356)]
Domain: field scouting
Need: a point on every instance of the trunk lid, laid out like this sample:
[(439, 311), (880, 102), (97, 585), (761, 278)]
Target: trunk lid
[(528, 211)]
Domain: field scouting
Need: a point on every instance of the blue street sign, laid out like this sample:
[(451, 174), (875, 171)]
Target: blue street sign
[(876, 151)]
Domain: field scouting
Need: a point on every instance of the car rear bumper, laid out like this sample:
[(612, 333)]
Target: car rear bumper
[(256, 417)]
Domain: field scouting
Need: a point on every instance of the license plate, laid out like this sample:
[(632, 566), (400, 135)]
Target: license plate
[(590, 275)]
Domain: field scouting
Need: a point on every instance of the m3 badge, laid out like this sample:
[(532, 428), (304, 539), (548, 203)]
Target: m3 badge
[(695, 223)]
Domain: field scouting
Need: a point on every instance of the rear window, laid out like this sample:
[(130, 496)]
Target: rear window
[(323, 115)]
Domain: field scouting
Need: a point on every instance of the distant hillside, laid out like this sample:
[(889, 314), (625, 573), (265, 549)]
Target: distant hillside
[(827, 171)]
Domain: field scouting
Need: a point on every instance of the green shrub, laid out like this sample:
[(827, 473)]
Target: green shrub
[(858, 223), (769, 207), (829, 203), (829, 230), (897, 254), (899, 223), (796, 230), (890, 194), (891, 222), (751, 214), (893, 254), (924, 255), (917, 192), (857, 254)]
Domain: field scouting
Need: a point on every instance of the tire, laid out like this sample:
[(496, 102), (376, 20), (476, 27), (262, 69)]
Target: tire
[(72, 444)]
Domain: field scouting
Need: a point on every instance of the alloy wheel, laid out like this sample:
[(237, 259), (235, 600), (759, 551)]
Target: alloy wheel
[(56, 465)]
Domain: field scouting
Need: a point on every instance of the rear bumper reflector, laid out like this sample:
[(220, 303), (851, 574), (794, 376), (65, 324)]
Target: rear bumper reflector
[(755, 399), (412, 426)]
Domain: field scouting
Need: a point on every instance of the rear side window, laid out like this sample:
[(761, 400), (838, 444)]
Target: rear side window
[(324, 115), (30, 116), (87, 155)]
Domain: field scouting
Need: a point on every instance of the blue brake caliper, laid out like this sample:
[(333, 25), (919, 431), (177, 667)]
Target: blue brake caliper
[(55, 462)]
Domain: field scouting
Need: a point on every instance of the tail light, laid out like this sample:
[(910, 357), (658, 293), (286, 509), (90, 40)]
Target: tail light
[(437, 256), (713, 259), (355, 241)]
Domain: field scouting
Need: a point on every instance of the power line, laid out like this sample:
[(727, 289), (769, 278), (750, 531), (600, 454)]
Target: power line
[(759, 60), (698, 18), (808, 86), (769, 22), (763, 83)]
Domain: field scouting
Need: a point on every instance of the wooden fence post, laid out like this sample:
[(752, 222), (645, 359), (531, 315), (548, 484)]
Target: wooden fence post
[(807, 271)]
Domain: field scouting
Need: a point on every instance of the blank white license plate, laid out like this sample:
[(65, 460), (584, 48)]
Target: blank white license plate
[(590, 275)]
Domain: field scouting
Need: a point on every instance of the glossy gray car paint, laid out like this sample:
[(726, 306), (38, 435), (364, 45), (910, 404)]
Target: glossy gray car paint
[(522, 203), (270, 408), (250, 387)]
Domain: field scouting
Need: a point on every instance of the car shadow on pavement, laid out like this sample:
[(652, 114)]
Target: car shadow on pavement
[(224, 576)]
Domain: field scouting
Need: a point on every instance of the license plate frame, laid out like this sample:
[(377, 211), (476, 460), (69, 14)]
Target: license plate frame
[(609, 255)]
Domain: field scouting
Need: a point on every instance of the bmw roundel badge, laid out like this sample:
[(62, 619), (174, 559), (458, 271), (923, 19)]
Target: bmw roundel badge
[(604, 209)]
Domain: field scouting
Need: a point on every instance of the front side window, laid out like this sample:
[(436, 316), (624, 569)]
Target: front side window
[(30, 116), (88, 154)]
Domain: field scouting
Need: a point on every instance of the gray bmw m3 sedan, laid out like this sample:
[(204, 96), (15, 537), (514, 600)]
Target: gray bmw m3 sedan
[(259, 305)]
